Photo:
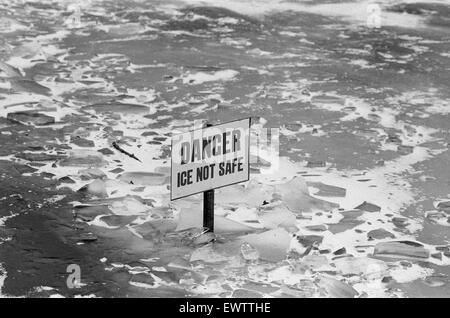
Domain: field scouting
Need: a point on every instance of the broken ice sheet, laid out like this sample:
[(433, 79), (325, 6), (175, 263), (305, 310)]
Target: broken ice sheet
[(117, 107), (438, 217), (326, 190), (350, 220), (117, 220), (150, 229), (271, 245), (410, 272), (29, 86), (144, 178), (9, 70), (379, 234), (273, 216), (96, 188), (84, 158), (31, 117), (127, 205), (89, 213), (368, 207), (248, 252), (245, 215), (336, 288), (444, 206), (360, 266), (401, 250), (295, 195), (254, 194), (216, 253), (284, 275), (192, 217), (92, 173), (312, 262)]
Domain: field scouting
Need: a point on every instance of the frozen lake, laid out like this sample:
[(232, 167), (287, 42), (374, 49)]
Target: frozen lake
[(356, 202)]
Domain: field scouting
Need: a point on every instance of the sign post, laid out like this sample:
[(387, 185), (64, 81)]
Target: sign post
[(208, 207), (209, 158), (208, 210)]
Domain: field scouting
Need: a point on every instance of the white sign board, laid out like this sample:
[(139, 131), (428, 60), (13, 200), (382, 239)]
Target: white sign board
[(210, 158)]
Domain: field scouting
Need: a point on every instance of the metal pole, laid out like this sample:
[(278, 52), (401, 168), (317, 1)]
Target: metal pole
[(208, 210), (208, 206)]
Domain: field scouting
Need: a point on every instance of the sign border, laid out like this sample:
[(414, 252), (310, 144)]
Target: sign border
[(192, 130)]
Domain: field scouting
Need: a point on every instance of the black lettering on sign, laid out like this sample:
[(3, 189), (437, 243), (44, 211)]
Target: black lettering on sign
[(230, 166), (216, 142), (207, 147), (185, 151), (184, 178), (236, 140), (196, 154), (226, 141), (206, 172), (240, 164)]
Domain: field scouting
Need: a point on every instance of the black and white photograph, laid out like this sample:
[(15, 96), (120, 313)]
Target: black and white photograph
[(237, 150)]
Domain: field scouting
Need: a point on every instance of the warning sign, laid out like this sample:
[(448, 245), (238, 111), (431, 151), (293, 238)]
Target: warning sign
[(210, 158)]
